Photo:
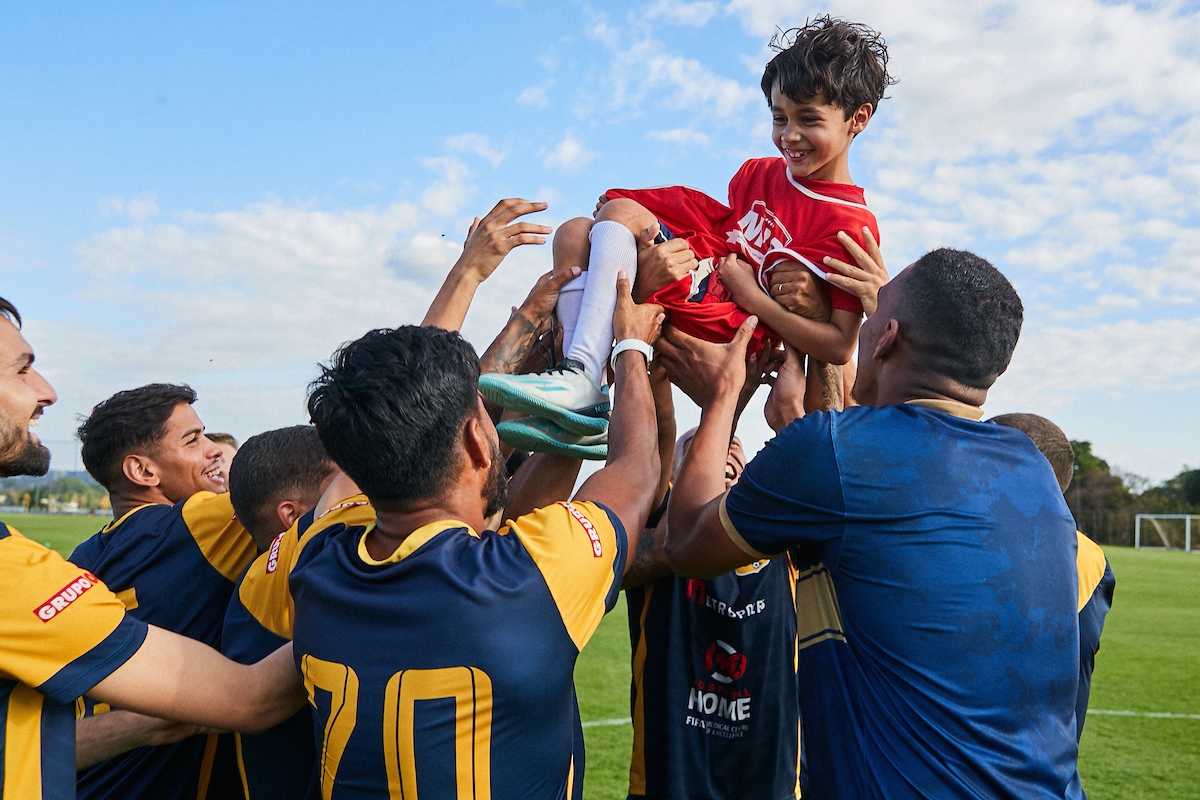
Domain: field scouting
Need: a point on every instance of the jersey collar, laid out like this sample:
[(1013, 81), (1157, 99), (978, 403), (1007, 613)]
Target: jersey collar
[(112, 526), (952, 407), (414, 540)]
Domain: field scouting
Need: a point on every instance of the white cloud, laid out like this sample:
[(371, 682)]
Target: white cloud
[(642, 70), (536, 96), (137, 209), (570, 155), (450, 194), (681, 12), (476, 144), (681, 137)]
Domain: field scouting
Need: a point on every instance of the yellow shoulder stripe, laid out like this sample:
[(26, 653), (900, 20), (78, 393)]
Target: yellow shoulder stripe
[(1089, 561)]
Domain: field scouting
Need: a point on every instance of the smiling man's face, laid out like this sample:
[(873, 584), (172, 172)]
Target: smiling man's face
[(186, 460), (23, 395)]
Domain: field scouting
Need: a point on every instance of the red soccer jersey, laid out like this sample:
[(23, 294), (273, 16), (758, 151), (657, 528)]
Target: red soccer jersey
[(771, 217)]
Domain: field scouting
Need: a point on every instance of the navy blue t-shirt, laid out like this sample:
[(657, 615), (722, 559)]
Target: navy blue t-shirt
[(713, 698), (936, 607)]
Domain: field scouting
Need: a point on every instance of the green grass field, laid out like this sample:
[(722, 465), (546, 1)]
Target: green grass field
[(1149, 663)]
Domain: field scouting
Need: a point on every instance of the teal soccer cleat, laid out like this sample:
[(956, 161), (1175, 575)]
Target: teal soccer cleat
[(543, 436), (564, 395)]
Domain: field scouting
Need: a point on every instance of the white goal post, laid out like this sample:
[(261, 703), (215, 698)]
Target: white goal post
[(1150, 532)]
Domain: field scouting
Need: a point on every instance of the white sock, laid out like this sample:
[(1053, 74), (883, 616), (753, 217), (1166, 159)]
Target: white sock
[(613, 249), (570, 298)]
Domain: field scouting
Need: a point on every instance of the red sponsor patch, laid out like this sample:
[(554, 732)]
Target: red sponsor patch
[(65, 596), (589, 529), (273, 554)]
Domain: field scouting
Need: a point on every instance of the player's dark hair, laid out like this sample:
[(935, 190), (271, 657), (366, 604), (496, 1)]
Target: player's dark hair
[(9, 312), (222, 438), (961, 316), (843, 63), (389, 408), (283, 464), (1049, 439), (129, 422)]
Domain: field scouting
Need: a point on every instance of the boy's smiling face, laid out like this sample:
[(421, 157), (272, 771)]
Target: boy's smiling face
[(814, 136)]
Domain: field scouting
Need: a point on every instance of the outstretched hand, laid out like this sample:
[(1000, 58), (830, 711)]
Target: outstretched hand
[(632, 320), (706, 371), (863, 278), (544, 295), (492, 238)]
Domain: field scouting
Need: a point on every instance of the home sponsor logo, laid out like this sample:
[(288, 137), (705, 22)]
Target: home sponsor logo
[(65, 596), (715, 704)]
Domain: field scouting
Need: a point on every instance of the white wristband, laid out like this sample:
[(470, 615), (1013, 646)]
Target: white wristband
[(631, 344)]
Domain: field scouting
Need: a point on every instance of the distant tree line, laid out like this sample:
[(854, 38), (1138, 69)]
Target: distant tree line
[(56, 491), (1105, 501)]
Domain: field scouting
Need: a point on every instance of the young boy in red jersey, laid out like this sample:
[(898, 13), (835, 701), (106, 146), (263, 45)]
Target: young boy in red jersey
[(822, 86)]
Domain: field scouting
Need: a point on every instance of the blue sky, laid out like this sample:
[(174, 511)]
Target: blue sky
[(221, 195)]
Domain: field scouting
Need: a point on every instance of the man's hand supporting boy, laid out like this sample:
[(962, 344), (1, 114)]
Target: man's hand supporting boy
[(832, 342)]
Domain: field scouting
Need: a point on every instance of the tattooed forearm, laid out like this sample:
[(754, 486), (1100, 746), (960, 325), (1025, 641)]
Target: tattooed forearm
[(829, 381), (649, 562), (510, 349)]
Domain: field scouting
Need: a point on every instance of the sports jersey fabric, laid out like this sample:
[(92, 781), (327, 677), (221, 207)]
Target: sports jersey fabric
[(61, 632), (936, 606), (174, 567), (1096, 586), (772, 217), (280, 763), (714, 695), (447, 667)]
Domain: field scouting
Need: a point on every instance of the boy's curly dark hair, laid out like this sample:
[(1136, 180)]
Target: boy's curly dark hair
[(843, 63)]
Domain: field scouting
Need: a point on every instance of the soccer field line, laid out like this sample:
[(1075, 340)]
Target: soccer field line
[(1146, 714), (605, 723)]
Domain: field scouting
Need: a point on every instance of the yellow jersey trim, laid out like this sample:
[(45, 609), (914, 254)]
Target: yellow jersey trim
[(733, 534), (23, 744), (112, 526), (413, 541), (1089, 563), (952, 407)]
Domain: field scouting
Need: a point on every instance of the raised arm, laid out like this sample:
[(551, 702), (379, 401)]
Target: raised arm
[(627, 483), (712, 375), (489, 240), (174, 677), (649, 561)]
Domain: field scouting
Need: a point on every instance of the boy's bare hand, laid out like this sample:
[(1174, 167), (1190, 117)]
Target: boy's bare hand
[(600, 204), (799, 291), (660, 264), (738, 277), (863, 278), (492, 238), (634, 321)]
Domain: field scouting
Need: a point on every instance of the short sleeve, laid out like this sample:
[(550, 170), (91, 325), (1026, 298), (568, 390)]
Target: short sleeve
[(262, 608), (61, 630), (579, 548), (790, 494), (823, 241), (225, 543)]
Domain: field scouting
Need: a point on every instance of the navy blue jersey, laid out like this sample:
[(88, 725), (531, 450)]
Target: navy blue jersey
[(174, 567), (280, 763), (61, 632), (714, 705), (445, 670), (936, 606), (1096, 586)]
